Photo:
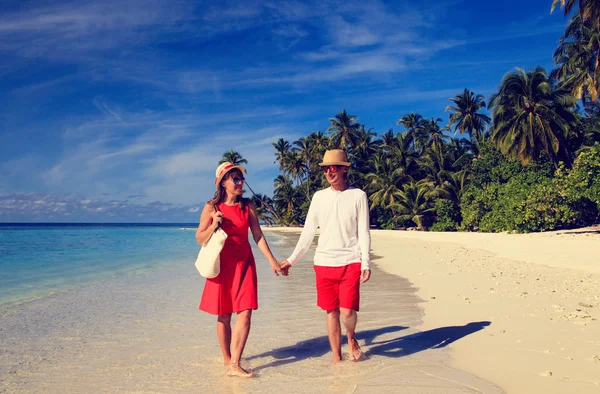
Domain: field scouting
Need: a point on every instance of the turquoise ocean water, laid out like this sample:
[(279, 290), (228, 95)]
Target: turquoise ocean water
[(39, 259)]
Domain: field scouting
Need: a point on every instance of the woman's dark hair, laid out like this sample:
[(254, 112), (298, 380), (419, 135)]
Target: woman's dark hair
[(220, 194)]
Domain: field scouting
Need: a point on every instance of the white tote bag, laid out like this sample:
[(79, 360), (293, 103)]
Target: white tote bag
[(208, 262)]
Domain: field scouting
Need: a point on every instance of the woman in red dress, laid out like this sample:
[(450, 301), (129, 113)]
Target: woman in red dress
[(235, 288)]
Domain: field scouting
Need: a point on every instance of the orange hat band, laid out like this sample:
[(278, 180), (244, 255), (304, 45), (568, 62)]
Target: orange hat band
[(227, 167)]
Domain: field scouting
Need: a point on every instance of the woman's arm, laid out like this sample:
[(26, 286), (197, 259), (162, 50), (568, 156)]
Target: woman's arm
[(209, 221), (260, 239)]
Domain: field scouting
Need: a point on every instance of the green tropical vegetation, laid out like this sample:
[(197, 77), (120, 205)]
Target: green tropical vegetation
[(532, 163)]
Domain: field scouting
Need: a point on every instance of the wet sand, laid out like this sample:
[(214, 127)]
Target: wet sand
[(144, 333)]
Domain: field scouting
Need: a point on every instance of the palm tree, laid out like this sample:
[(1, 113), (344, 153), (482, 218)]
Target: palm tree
[(402, 154), (577, 58), (344, 128), (264, 208), (366, 146), (460, 151), (280, 181), (466, 116), (413, 123), (437, 164), (455, 186), (531, 117), (294, 166), (388, 139), (435, 133), (304, 147), (587, 9), (284, 194), (282, 147), (233, 157), (320, 143), (384, 180), (414, 203), (591, 132)]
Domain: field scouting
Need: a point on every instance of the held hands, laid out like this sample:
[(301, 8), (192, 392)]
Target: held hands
[(285, 267), (276, 267)]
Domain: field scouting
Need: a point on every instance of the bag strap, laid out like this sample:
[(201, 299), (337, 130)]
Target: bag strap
[(267, 206), (217, 210)]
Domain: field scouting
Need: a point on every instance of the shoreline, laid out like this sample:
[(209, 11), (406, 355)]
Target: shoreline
[(539, 292), (439, 314), (144, 333)]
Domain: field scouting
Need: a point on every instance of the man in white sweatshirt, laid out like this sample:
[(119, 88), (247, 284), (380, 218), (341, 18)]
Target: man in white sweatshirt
[(342, 259)]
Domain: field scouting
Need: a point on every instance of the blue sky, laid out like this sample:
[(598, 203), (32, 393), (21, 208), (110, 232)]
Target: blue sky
[(120, 110)]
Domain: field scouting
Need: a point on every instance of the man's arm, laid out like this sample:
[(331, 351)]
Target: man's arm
[(307, 236), (364, 237)]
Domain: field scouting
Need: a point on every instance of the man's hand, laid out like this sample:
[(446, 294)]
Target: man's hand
[(365, 275), (285, 267)]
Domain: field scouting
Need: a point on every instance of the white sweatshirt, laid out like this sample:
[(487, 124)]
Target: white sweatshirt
[(343, 217)]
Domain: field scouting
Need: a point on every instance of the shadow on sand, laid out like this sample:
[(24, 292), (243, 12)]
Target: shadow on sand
[(432, 339), (582, 231), (398, 347)]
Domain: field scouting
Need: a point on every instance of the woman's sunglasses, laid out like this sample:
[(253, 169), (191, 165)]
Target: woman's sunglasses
[(237, 181), (332, 169)]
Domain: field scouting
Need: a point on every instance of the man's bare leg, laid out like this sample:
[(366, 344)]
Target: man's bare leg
[(350, 318), (334, 332)]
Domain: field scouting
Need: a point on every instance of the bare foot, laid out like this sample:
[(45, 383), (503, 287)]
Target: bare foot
[(236, 370), (355, 352)]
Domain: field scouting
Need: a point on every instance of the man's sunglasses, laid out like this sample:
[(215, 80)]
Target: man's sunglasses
[(333, 169), (237, 181)]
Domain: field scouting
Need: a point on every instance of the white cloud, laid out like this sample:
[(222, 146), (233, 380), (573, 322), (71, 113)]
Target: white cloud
[(198, 159), (35, 207), (353, 38), (350, 34), (164, 157), (72, 27), (188, 176)]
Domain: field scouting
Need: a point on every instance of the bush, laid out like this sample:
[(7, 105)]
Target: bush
[(477, 203), (545, 208), (382, 218), (531, 201), (447, 215), (444, 225), (582, 183), (491, 166), (527, 202)]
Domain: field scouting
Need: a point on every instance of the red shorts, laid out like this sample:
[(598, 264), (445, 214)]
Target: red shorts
[(338, 287)]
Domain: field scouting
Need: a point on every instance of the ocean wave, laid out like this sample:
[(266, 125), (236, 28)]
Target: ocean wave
[(279, 240)]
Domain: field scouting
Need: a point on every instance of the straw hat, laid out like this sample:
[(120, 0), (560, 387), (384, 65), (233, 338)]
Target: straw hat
[(223, 169), (335, 157)]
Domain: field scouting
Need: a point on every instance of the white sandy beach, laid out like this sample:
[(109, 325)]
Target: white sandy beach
[(539, 292)]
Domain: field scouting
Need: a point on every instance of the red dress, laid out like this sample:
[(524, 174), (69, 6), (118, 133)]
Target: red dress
[(235, 288)]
